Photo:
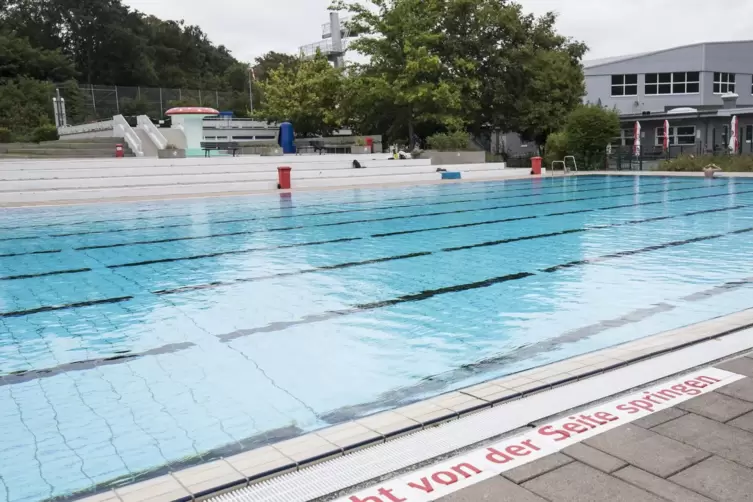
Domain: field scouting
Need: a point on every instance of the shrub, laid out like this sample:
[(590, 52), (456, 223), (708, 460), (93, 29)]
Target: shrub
[(556, 147), (692, 163), (589, 130), (44, 133), (5, 135), (449, 142)]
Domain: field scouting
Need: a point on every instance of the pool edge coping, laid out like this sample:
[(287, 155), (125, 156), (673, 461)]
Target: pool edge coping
[(220, 476)]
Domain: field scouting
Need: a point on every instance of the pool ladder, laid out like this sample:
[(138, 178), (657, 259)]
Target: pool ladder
[(563, 163)]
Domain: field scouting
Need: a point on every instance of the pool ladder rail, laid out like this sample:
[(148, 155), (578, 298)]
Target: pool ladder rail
[(563, 163)]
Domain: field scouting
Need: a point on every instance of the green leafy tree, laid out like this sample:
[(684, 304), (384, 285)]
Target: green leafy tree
[(589, 130), (19, 58), (307, 95), (25, 105), (405, 71), (517, 73)]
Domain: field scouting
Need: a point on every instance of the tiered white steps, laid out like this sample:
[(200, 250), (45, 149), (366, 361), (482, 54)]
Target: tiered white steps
[(34, 181)]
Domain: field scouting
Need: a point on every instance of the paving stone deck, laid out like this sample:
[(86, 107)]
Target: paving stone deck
[(699, 451)]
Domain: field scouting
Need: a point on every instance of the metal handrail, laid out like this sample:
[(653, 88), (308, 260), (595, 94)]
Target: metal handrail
[(557, 162), (575, 164)]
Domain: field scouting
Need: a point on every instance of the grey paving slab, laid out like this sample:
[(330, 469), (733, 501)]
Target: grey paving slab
[(718, 479), (578, 482), (647, 450), (593, 457), (658, 486), (721, 439), (717, 406), (537, 468), (742, 389), (744, 422), (496, 489), (659, 418), (741, 366)]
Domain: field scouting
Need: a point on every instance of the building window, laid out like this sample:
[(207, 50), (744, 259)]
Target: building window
[(680, 135), (673, 83), (624, 139), (749, 134), (624, 85), (724, 83)]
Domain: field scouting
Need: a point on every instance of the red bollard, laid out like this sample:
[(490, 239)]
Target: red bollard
[(536, 165), (119, 150), (283, 176)]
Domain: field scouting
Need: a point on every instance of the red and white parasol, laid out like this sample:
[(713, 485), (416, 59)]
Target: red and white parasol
[(637, 139), (733, 139), (666, 135)]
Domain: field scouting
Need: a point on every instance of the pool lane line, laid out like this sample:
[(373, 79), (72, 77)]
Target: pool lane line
[(228, 209), (48, 251), (51, 308), (44, 274), (251, 250), (23, 376), (403, 299), (218, 284), (264, 218), (370, 220), (424, 295), (238, 251)]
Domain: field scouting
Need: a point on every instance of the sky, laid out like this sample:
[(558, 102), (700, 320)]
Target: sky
[(250, 28)]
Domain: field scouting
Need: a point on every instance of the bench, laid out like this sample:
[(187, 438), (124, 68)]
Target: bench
[(228, 146)]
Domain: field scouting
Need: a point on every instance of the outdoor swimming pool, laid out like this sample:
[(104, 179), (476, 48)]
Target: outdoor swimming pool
[(144, 335)]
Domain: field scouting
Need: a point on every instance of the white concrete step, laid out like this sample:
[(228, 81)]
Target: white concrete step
[(225, 160), (224, 188), (184, 179), (79, 173)]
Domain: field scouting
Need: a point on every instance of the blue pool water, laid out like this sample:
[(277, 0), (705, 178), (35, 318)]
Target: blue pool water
[(135, 337)]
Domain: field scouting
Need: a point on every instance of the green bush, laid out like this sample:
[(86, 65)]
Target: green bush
[(449, 142), (556, 147), (44, 133), (692, 163), (5, 135), (589, 129)]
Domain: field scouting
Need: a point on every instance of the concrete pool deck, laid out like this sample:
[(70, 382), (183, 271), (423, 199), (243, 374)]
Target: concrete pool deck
[(695, 448)]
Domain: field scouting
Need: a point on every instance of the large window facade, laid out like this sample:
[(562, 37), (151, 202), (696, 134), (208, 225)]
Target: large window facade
[(625, 85), (724, 82), (679, 135), (673, 83)]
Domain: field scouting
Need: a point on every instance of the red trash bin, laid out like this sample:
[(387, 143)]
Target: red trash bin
[(535, 165), (119, 150), (370, 144), (283, 176)]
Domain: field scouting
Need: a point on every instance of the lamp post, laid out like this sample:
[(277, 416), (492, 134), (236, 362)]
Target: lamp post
[(251, 78)]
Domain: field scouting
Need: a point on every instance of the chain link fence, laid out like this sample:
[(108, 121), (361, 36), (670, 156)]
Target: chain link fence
[(88, 103)]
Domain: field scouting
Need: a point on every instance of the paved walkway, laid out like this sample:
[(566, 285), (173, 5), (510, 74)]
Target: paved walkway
[(701, 450)]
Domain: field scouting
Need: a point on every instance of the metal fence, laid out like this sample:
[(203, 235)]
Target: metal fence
[(101, 102)]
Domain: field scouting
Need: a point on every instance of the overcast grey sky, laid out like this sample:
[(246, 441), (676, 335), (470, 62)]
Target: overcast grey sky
[(250, 28)]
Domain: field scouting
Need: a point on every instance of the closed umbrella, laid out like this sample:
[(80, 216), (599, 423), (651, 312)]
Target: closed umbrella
[(666, 135), (637, 139), (733, 139)]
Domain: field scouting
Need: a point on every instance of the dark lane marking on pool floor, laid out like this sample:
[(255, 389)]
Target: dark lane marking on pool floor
[(290, 274), (238, 251), (325, 268), (17, 377), (44, 274), (48, 251), (229, 209), (279, 326), (389, 218), (51, 308), (463, 201), (251, 250)]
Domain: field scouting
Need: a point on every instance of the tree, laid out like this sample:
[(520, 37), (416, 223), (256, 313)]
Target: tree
[(589, 129), (272, 61), (517, 73), (307, 95), (19, 58), (405, 71), (25, 105)]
